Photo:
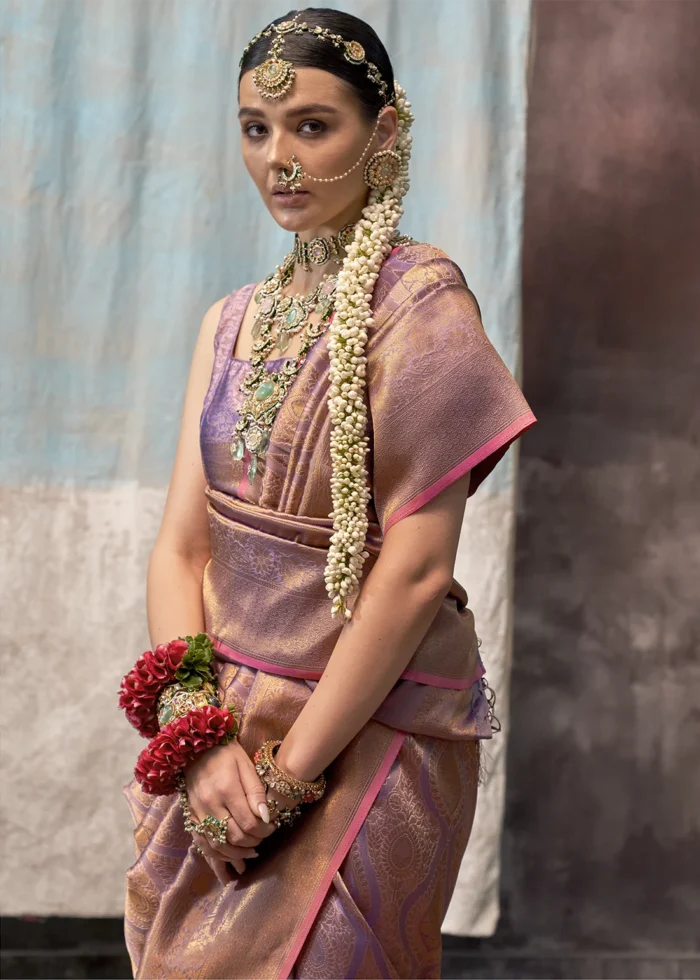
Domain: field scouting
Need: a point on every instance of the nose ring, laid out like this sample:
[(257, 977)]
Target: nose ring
[(291, 178)]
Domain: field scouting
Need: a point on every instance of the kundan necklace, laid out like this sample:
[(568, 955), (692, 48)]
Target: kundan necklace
[(265, 390), (320, 250)]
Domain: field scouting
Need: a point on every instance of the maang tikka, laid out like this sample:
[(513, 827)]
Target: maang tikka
[(274, 77)]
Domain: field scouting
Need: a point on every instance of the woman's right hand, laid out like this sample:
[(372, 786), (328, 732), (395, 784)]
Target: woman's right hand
[(223, 781)]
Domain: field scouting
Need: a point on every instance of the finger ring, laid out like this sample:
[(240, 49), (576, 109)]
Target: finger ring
[(214, 829)]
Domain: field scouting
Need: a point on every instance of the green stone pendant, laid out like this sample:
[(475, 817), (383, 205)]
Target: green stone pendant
[(264, 390), (238, 449), (252, 467), (295, 315), (283, 340), (165, 714)]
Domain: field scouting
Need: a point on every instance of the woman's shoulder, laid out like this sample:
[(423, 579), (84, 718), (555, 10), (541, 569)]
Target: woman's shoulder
[(418, 271), (411, 258), (217, 327), (212, 319), (225, 312)]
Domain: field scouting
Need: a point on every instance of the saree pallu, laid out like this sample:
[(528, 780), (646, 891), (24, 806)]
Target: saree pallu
[(359, 886)]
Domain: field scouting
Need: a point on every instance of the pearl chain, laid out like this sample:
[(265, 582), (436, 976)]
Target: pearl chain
[(330, 180), (348, 369)]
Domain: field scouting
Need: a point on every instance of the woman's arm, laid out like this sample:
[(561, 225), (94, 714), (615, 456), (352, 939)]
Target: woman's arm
[(223, 778), (182, 548), (397, 603)]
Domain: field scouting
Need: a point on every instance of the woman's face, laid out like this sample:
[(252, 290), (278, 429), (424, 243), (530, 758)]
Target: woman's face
[(320, 121)]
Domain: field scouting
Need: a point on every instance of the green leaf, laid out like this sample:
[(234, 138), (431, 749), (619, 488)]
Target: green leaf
[(194, 669), (201, 643)]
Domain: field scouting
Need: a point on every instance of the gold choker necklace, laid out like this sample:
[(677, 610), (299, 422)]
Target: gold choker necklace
[(320, 250)]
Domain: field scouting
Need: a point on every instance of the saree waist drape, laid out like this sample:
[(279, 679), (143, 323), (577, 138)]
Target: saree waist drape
[(266, 570)]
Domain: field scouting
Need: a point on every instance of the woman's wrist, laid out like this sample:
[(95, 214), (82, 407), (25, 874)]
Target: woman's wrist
[(287, 759), (281, 785)]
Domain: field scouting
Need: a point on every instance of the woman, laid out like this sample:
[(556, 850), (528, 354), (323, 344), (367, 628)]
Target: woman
[(311, 529)]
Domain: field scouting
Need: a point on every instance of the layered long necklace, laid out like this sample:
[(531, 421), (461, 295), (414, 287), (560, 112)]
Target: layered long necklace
[(278, 318)]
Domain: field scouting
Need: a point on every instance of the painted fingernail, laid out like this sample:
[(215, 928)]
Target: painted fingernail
[(264, 812)]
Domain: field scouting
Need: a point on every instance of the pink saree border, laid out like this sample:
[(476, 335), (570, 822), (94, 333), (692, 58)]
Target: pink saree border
[(516, 428), (340, 852), (420, 676)]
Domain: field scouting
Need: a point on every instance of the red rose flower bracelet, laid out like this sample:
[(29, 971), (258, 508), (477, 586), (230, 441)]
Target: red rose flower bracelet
[(170, 697)]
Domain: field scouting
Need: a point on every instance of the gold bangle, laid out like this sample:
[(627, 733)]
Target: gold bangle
[(301, 790)]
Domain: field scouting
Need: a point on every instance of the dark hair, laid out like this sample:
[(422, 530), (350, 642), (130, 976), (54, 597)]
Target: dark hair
[(307, 51)]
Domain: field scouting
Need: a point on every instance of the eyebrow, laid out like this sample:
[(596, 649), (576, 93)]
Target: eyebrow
[(301, 110)]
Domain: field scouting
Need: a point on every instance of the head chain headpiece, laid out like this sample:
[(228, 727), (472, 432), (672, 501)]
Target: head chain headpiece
[(274, 77)]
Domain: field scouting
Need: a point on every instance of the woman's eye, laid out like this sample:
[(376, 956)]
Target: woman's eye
[(311, 127), (316, 126)]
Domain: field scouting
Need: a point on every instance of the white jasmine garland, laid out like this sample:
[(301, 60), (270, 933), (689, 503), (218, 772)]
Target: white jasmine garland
[(348, 368)]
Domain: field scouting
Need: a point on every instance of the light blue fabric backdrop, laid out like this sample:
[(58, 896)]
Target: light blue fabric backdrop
[(126, 211)]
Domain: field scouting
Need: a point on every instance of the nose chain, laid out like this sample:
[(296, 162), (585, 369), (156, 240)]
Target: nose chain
[(291, 180)]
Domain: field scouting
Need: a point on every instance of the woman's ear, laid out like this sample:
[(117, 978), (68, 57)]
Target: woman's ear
[(388, 128)]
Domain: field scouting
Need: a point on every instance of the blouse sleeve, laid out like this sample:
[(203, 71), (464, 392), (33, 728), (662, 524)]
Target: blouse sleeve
[(441, 399)]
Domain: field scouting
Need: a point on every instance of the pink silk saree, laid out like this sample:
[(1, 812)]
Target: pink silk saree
[(359, 886)]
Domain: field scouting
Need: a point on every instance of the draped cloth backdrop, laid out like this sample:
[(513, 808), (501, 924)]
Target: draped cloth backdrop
[(126, 211)]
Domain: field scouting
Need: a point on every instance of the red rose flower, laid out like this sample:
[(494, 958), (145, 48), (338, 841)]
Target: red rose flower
[(165, 660), (141, 687), (180, 742)]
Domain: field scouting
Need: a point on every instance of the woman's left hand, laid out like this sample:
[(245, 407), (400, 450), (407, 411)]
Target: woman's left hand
[(222, 782), (218, 863)]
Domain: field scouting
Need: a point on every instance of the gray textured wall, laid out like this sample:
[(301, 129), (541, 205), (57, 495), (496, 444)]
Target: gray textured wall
[(602, 848)]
